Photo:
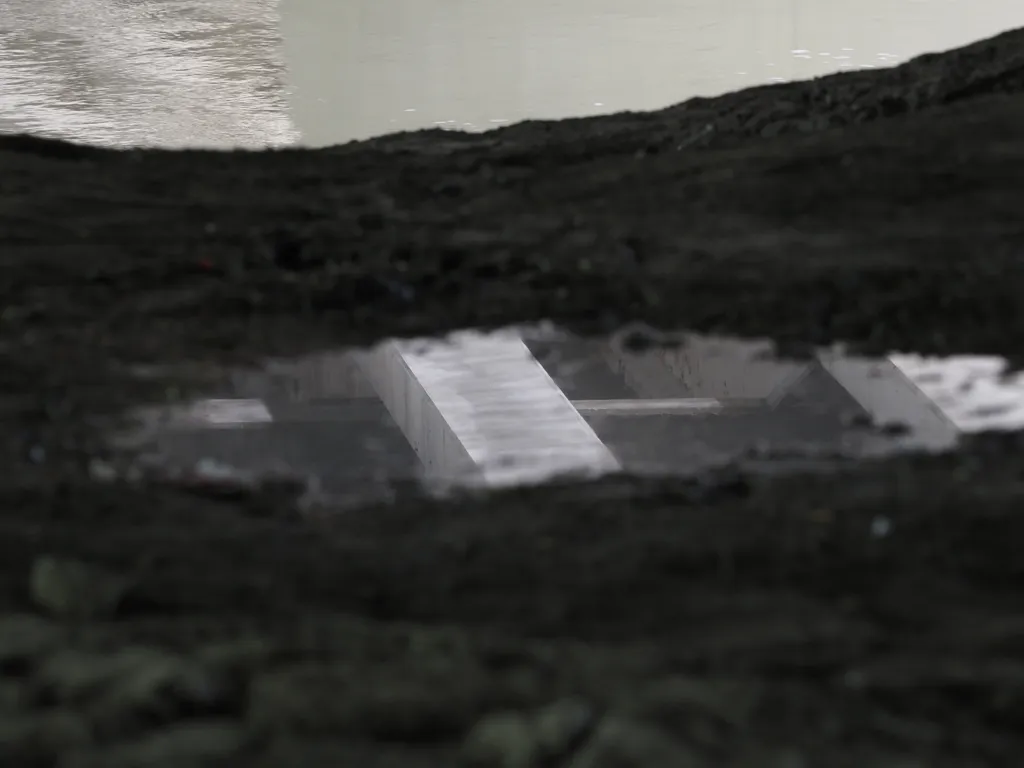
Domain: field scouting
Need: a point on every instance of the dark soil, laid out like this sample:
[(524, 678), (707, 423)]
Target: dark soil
[(868, 619)]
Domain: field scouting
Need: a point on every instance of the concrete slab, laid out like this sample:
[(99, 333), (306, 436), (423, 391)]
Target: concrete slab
[(479, 407), (891, 398), (651, 407)]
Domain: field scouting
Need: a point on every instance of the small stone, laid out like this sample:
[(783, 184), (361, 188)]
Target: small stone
[(130, 685), (623, 743), (162, 690), (501, 740), (561, 726), (514, 740), (881, 526), (102, 471), (72, 589)]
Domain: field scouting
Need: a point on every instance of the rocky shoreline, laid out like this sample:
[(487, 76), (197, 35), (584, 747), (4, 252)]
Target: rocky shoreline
[(736, 621)]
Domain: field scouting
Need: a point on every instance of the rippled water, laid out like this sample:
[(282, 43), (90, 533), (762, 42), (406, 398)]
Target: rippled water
[(518, 406), (123, 72)]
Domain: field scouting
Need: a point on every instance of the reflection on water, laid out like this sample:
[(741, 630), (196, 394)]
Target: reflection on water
[(531, 404)]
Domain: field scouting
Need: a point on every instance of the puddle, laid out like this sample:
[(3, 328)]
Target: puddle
[(529, 405)]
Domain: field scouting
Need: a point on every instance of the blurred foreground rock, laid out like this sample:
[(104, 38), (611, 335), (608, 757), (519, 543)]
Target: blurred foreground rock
[(75, 590)]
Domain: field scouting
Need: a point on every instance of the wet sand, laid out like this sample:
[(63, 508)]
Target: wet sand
[(871, 618)]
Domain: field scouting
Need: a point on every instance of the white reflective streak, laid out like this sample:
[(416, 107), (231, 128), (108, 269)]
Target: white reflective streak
[(974, 391)]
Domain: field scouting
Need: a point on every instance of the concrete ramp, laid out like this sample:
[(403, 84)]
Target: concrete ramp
[(481, 406)]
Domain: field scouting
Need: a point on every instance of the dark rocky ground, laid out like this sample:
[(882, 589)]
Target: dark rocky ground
[(733, 622)]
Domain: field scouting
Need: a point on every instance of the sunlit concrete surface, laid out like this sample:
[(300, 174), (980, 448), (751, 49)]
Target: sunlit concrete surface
[(480, 404), (642, 407)]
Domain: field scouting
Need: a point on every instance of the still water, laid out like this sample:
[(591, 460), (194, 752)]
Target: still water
[(524, 403)]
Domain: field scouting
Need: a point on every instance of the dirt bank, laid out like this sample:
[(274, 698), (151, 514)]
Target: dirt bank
[(868, 619)]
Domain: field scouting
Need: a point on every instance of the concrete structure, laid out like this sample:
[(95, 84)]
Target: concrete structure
[(483, 408), (478, 407), (499, 409)]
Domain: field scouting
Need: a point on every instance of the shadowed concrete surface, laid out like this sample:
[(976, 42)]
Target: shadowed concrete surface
[(865, 616)]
